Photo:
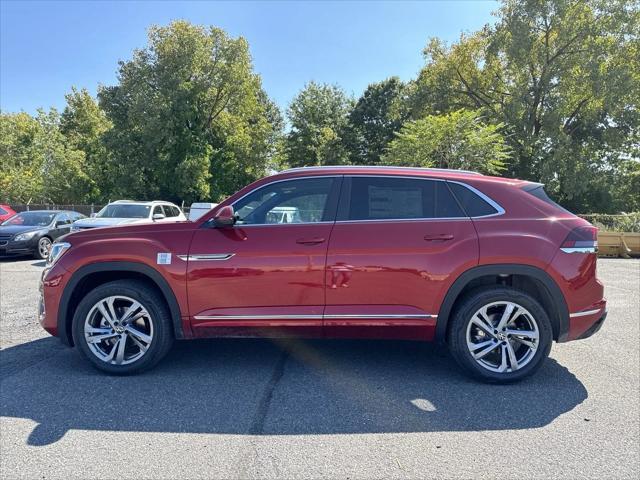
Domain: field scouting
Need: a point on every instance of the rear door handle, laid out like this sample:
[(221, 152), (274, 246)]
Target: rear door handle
[(310, 241), (440, 237)]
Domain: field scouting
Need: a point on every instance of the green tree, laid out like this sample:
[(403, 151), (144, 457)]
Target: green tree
[(458, 140), (318, 119), (190, 120), (561, 75), (84, 124), (376, 117), (37, 163)]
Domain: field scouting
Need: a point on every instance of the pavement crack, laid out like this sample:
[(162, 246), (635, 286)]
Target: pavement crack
[(257, 426)]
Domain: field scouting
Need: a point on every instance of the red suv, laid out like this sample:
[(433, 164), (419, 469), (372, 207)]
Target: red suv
[(491, 266)]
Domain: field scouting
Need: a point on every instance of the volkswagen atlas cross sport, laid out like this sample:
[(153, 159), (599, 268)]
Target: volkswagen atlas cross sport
[(490, 266)]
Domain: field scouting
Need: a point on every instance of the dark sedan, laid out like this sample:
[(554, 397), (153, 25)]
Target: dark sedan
[(32, 233)]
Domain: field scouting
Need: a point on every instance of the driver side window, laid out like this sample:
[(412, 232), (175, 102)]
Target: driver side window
[(291, 201)]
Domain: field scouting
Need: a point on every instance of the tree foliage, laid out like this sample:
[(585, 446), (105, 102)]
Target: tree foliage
[(190, 119), (318, 120), (37, 163), (458, 140), (562, 76)]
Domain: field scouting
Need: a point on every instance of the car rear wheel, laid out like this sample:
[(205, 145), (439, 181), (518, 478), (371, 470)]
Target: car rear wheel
[(500, 335), (123, 327), (43, 248)]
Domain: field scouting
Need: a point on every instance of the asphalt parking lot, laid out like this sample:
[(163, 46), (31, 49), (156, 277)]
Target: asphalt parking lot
[(336, 409)]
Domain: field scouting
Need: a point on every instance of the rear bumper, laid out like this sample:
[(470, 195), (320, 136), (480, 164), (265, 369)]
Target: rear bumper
[(594, 328), (588, 321)]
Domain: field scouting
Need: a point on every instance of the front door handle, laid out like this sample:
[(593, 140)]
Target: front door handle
[(310, 241), (440, 237)]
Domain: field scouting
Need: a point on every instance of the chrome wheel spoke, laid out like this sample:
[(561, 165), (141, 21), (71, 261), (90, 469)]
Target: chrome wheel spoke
[(138, 334), (100, 338), (503, 359), (129, 313), (513, 361), (506, 316), (481, 322), (491, 345)]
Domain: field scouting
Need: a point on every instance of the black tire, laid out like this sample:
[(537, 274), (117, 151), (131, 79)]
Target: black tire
[(159, 317), (462, 316), (44, 244)]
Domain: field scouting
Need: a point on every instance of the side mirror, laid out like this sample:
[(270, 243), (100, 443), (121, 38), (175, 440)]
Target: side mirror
[(158, 216), (225, 217)]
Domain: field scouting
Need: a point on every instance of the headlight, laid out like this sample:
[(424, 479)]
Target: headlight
[(57, 250), (24, 236)]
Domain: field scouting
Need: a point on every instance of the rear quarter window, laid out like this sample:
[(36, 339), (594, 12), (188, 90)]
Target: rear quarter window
[(472, 203)]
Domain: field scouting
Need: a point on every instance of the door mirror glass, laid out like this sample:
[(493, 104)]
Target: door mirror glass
[(225, 217)]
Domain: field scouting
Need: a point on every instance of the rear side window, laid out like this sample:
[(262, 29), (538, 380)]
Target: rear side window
[(171, 211), (474, 205), (387, 198), (537, 190), (2, 211)]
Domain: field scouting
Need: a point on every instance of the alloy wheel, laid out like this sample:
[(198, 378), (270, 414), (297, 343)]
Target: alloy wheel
[(118, 330), (502, 337), (44, 246)]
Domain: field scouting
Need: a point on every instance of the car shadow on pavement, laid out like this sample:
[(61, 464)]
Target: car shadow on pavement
[(293, 387)]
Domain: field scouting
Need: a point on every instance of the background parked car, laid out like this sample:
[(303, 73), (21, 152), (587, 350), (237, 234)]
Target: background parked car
[(6, 212), (198, 209), (32, 233), (125, 212)]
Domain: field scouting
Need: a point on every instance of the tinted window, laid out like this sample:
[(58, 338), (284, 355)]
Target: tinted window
[(64, 218), (539, 192), (292, 201), (170, 211), (2, 211), (379, 198), (158, 210), (76, 216), (473, 204), (123, 210), (31, 219)]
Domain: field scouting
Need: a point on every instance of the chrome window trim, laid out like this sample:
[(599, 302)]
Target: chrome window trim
[(490, 201), (381, 316), (273, 183), (486, 198)]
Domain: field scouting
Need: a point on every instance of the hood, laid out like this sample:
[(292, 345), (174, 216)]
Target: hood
[(13, 229), (108, 222)]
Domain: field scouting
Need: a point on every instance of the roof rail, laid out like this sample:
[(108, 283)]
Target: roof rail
[(382, 167)]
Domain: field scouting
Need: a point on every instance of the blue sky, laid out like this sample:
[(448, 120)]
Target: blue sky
[(46, 47)]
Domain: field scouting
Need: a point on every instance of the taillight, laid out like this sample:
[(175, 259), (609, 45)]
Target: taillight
[(581, 240)]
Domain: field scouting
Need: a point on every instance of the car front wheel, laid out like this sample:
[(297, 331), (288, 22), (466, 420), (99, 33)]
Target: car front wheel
[(43, 248), (122, 327), (500, 335)]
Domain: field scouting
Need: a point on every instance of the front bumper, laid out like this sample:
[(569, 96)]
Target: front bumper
[(13, 248)]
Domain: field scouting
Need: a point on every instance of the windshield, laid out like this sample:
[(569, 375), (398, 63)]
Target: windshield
[(31, 219), (119, 210)]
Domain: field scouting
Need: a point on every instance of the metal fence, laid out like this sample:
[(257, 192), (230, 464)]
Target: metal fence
[(84, 209)]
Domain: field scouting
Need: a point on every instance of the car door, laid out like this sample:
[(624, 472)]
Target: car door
[(61, 225), (396, 246), (262, 273)]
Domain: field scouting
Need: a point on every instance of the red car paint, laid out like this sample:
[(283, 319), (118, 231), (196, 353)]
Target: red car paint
[(6, 212), (361, 278)]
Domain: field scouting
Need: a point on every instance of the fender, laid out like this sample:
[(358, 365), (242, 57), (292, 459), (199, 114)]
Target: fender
[(561, 310), (151, 273)]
